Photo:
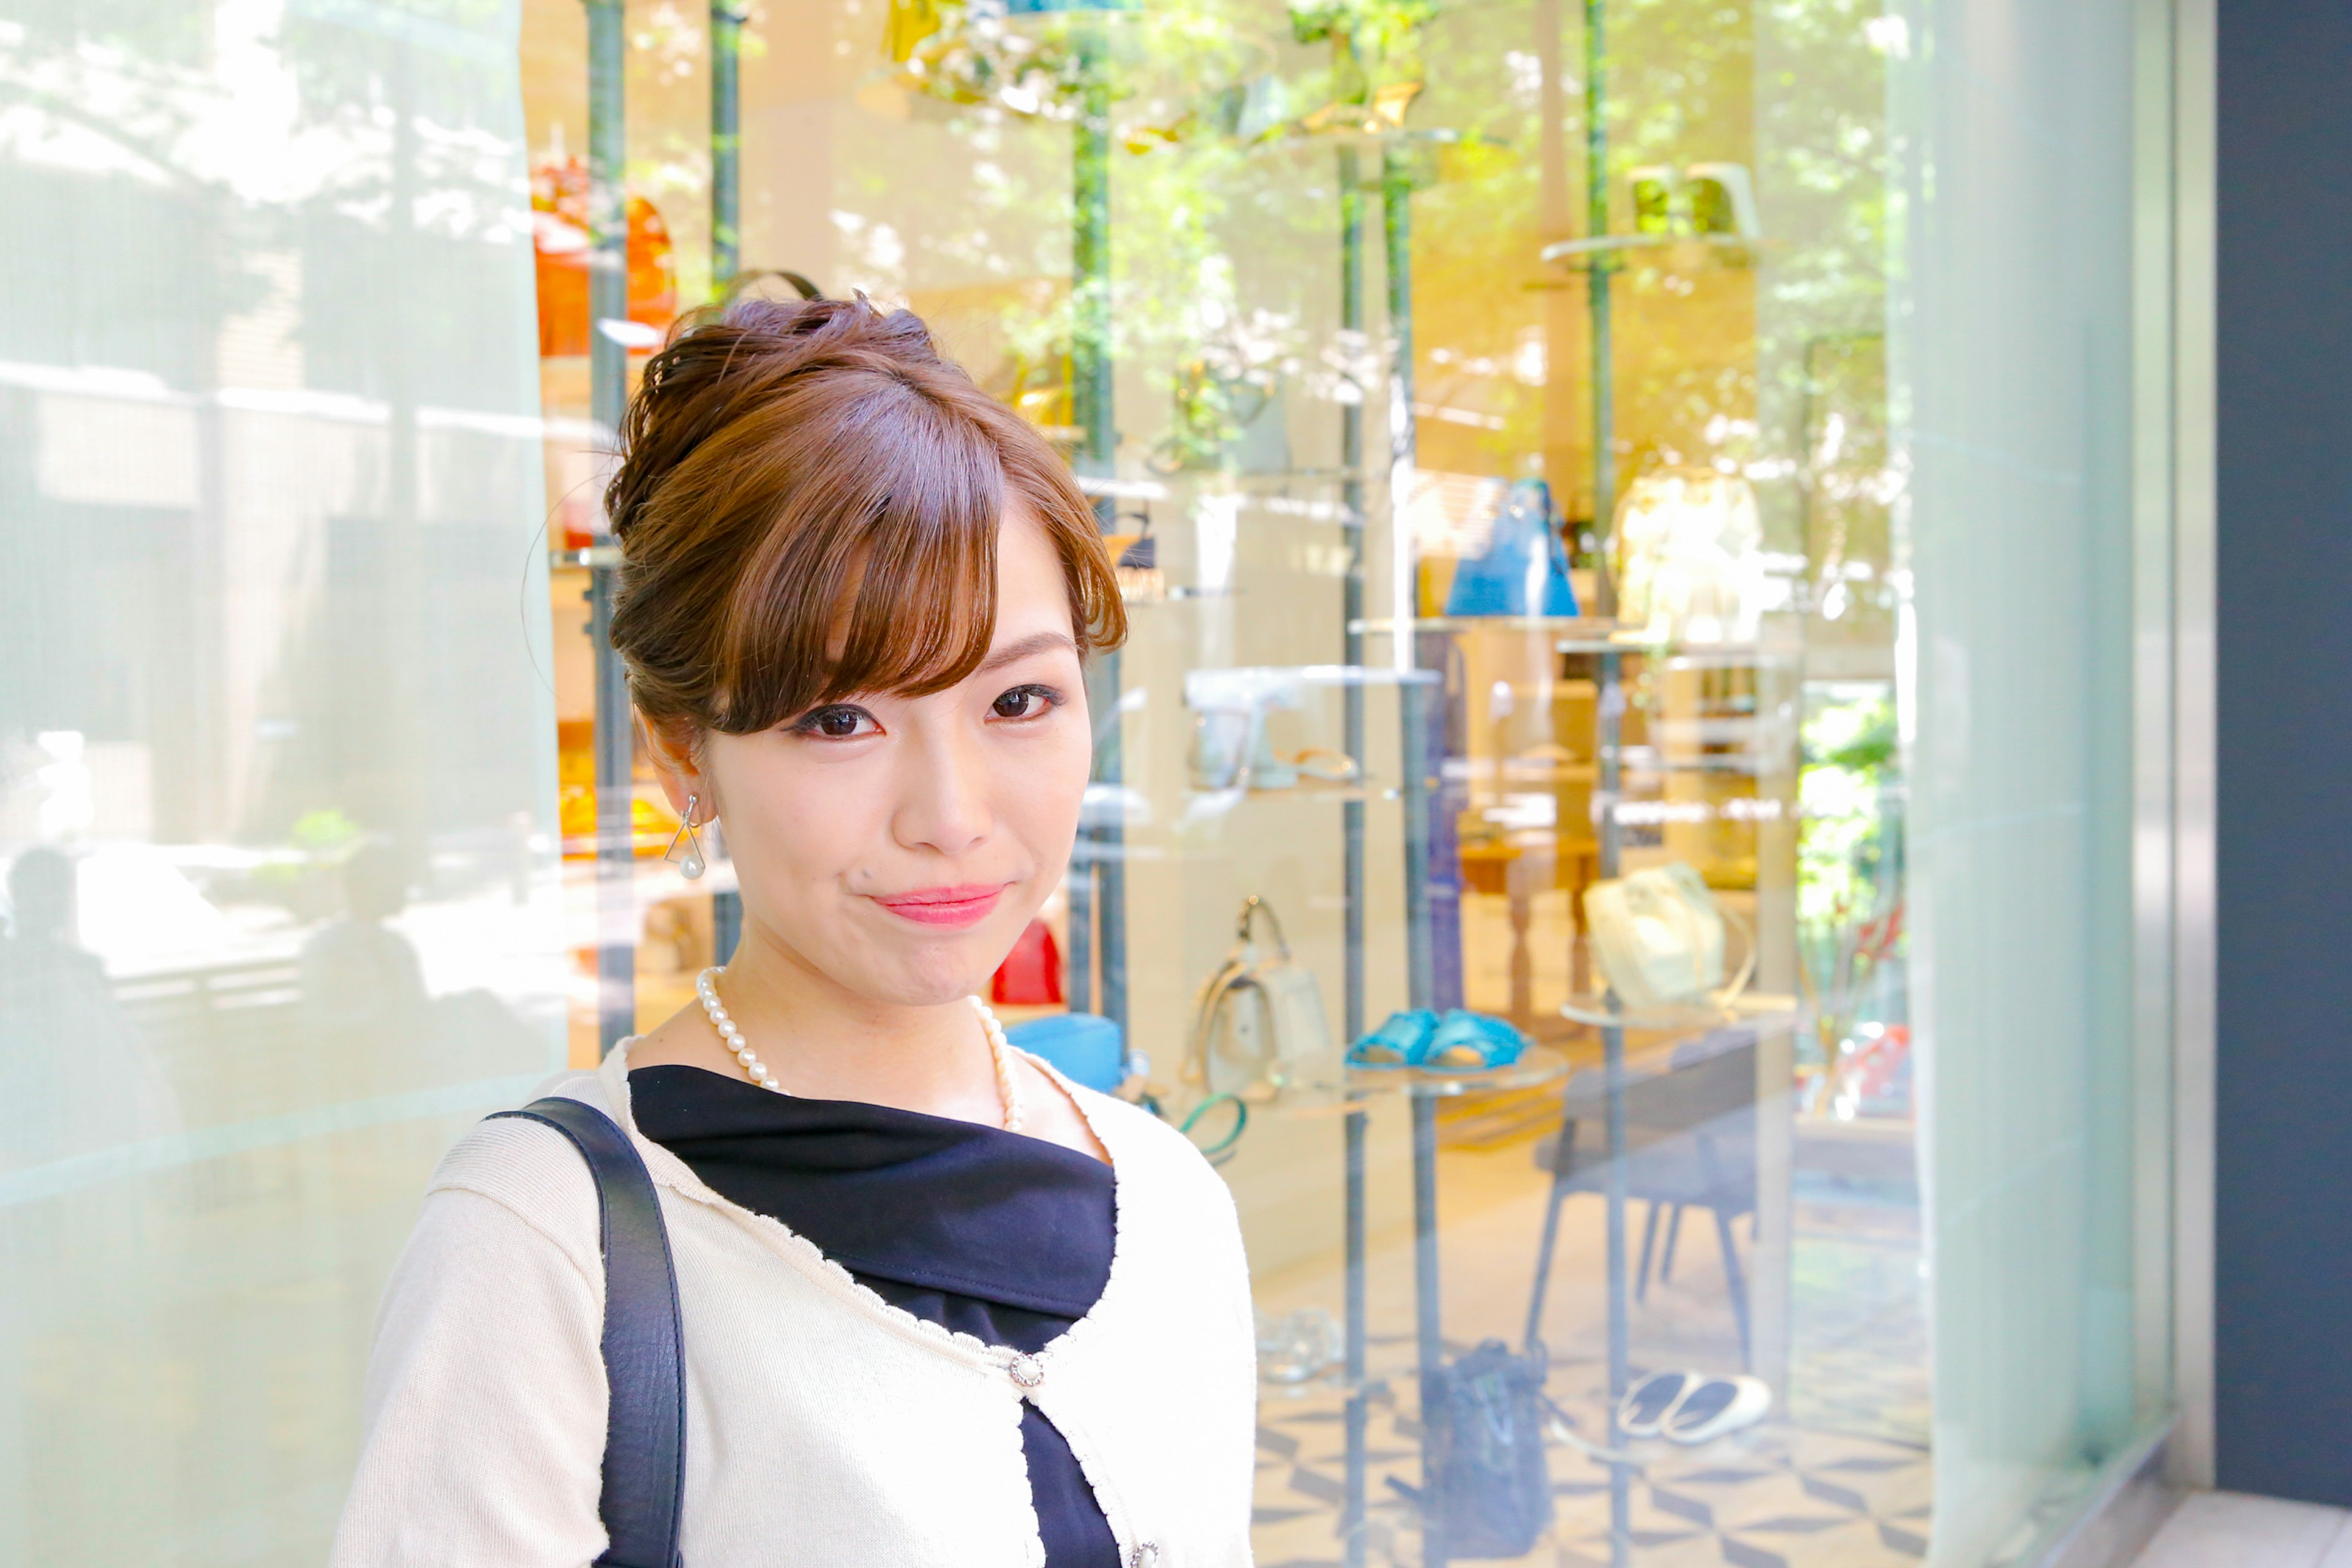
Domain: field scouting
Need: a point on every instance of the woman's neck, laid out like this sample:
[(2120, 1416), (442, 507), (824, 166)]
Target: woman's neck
[(821, 1041)]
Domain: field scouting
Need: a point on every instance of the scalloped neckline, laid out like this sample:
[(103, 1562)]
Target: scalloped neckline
[(677, 1174)]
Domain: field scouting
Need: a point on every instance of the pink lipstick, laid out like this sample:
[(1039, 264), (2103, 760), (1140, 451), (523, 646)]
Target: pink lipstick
[(950, 908)]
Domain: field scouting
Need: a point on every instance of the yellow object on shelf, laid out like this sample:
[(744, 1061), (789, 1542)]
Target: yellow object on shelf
[(652, 824)]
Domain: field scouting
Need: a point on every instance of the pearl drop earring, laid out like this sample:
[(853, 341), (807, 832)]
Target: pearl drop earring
[(690, 865)]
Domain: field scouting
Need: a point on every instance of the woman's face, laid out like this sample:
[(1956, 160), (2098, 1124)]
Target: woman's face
[(897, 845)]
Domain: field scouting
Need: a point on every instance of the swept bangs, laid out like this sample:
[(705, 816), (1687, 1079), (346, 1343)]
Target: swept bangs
[(826, 522)]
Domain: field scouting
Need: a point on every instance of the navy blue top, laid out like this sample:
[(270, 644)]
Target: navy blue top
[(988, 1232)]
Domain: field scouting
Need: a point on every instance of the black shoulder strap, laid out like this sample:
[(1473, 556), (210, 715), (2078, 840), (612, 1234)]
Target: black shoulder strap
[(645, 1434)]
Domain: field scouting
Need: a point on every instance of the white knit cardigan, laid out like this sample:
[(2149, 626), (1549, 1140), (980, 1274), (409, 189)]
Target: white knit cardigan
[(825, 1428)]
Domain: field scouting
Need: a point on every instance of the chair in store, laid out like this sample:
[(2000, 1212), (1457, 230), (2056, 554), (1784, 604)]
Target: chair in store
[(1690, 1126)]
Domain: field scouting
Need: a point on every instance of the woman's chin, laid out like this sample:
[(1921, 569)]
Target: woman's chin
[(881, 959), (939, 972)]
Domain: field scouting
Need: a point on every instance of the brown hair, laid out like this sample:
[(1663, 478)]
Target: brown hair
[(808, 502)]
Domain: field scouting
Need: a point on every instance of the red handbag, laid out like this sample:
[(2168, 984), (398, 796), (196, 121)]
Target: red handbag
[(1030, 974)]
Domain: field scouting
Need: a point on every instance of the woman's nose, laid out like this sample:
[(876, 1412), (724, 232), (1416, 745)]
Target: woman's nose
[(943, 792)]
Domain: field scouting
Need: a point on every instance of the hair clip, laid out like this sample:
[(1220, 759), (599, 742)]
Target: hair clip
[(690, 865)]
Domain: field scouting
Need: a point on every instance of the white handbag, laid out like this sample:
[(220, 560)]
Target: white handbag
[(1689, 563), (1657, 935), (1259, 1027)]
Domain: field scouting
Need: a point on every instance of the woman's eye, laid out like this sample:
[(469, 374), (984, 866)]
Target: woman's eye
[(837, 723), (1024, 702)]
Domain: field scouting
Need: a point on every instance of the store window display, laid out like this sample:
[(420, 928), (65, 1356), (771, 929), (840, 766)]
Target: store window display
[(1498, 857), (1609, 833)]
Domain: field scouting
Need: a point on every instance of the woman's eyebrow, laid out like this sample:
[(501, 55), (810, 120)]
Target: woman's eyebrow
[(1014, 652)]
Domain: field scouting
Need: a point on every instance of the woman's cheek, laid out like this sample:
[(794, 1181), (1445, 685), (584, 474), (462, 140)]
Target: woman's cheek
[(826, 822), (788, 822)]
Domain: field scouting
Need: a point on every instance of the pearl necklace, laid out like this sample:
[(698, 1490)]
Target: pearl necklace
[(1008, 1089)]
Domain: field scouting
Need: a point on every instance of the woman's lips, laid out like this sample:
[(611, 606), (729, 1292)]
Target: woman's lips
[(949, 907)]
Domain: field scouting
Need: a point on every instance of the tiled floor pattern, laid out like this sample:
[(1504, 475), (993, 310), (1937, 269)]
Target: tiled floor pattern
[(1840, 1478), (1859, 1351), (1773, 1497), (2231, 1530)]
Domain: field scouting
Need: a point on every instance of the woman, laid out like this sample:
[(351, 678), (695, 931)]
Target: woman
[(940, 1306)]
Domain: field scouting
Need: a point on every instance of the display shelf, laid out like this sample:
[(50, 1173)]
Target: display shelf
[(1708, 655), (1594, 635), (1603, 1011), (1730, 252), (1592, 628), (1516, 773), (1638, 765), (1536, 1066), (1539, 1065), (1226, 799), (1234, 686)]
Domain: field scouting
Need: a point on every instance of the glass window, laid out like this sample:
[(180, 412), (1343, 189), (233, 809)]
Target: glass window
[(1625, 512), (276, 748), (1734, 404)]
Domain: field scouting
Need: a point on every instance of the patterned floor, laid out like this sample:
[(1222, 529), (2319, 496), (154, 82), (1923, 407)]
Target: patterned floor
[(1839, 1477), (1776, 1496)]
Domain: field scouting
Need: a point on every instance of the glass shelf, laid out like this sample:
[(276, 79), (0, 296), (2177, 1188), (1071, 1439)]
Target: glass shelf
[(1219, 801), (1593, 634), (1236, 687), (1747, 1007), (1606, 252), (1592, 627), (1538, 1065)]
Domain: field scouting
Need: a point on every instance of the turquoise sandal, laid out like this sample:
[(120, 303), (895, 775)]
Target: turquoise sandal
[(1467, 1042), (1397, 1043)]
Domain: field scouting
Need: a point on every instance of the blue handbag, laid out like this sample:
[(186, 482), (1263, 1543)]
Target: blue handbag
[(1084, 1047), (645, 1430), (1524, 570)]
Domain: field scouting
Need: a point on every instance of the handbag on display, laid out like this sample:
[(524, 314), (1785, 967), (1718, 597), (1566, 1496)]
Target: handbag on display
[(1258, 1026), (1689, 557), (1488, 1472), (1657, 935), (1087, 1048), (1030, 974), (1524, 569)]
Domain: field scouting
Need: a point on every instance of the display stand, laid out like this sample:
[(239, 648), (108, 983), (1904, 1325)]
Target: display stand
[(1098, 907), (1422, 1092), (1597, 640), (608, 375), (726, 145), (1609, 720), (1612, 1020), (1352, 612)]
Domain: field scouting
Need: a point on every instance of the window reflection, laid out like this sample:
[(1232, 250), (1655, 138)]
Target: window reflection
[(297, 779), (277, 764), (74, 1073)]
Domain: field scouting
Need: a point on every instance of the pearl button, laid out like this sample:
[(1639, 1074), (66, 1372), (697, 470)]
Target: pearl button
[(1145, 1555), (1027, 1371)]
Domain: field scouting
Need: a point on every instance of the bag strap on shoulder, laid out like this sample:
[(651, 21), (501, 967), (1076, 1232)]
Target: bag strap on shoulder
[(645, 1432)]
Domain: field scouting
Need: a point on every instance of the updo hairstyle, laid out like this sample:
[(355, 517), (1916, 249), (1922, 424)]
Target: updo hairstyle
[(808, 502)]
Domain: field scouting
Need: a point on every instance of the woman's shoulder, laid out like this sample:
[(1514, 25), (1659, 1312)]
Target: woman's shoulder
[(1145, 1149), (530, 1168)]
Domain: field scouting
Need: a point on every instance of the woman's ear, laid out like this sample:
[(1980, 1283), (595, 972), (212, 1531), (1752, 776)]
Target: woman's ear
[(675, 755)]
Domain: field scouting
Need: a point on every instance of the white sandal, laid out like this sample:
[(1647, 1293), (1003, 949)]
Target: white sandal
[(1716, 1407), (1643, 1411)]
